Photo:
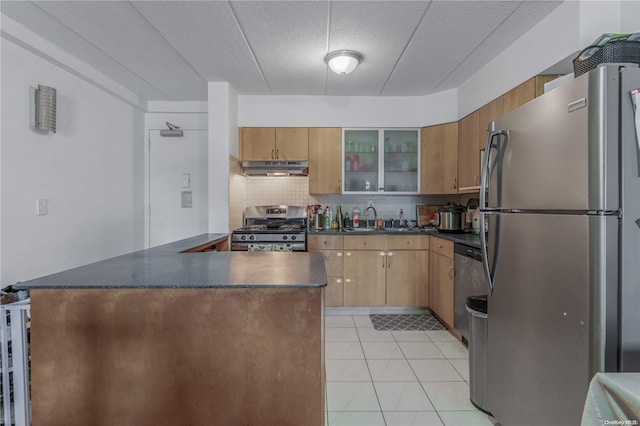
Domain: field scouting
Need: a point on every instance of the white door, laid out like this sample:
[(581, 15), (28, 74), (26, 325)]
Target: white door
[(178, 201)]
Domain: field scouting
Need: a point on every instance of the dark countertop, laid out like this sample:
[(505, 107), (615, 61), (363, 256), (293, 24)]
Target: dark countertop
[(466, 238), (165, 267)]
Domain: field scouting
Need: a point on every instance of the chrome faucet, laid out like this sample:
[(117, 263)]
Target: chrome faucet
[(375, 216)]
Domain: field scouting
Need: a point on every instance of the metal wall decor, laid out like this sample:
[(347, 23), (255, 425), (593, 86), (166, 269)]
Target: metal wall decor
[(45, 108)]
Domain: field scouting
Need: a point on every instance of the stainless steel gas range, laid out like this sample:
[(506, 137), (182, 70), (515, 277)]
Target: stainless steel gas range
[(272, 228)]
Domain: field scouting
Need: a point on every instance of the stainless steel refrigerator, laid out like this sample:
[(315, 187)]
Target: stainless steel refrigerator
[(561, 199)]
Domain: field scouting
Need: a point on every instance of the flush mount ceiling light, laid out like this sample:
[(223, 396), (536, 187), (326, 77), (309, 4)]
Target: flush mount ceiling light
[(343, 61)]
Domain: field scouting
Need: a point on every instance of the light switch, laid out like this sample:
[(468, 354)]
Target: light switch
[(186, 180), (42, 207)]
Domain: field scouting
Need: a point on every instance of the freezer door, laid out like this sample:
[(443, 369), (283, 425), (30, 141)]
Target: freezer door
[(560, 150), (539, 325), (630, 230)]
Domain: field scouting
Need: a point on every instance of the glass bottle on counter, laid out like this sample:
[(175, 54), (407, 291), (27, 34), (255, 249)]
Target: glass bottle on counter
[(347, 221)]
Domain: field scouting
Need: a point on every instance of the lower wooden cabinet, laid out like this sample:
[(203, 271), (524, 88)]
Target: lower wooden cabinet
[(364, 278), (331, 247), (441, 279), (374, 270), (334, 293), (407, 270)]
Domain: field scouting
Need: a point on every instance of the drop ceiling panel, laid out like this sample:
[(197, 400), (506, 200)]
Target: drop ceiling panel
[(525, 17), (449, 33), (289, 43), (168, 50), (378, 30), (117, 29), (208, 37), (40, 22)]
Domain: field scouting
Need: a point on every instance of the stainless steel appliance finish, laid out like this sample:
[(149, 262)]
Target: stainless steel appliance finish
[(275, 168), (476, 308), (560, 191), (452, 219), (272, 228), (470, 281)]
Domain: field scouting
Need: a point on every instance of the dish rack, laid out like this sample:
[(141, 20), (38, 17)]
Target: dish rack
[(15, 395), (615, 51)]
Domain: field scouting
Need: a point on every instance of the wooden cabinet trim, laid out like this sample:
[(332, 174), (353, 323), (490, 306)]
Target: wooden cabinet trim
[(325, 242), (407, 242), (442, 246), (365, 242)]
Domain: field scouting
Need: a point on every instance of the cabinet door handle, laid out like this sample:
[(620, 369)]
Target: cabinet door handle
[(339, 185), (455, 183), (348, 280), (450, 272), (390, 254), (382, 255), (339, 280), (273, 154), (339, 254), (348, 253), (277, 153)]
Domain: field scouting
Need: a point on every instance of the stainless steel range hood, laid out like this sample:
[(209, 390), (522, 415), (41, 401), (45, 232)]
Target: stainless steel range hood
[(275, 168)]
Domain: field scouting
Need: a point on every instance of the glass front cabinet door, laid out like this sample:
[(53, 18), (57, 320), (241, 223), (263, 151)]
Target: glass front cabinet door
[(381, 160)]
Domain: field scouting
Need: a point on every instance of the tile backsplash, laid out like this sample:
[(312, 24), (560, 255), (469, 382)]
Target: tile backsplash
[(278, 190), (295, 191)]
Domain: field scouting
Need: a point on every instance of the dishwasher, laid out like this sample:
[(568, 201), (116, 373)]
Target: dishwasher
[(470, 281)]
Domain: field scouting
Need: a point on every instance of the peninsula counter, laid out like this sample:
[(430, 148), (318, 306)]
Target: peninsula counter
[(161, 337)]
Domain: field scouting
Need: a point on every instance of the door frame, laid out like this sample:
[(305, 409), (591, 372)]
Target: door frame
[(195, 121)]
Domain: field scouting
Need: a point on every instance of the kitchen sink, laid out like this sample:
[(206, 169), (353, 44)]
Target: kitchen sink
[(363, 229)]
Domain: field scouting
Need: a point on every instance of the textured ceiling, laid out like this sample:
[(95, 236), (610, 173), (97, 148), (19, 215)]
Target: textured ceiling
[(169, 50)]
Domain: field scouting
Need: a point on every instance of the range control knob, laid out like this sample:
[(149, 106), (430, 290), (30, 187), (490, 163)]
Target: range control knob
[(293, 237), (252, 237), (284, 237), (243, 238)]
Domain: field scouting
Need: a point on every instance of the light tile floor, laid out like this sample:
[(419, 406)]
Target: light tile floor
[(395, 378)]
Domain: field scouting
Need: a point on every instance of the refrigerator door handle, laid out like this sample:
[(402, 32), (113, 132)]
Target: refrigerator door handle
[(484, 203), (484, 179), (483, 247)]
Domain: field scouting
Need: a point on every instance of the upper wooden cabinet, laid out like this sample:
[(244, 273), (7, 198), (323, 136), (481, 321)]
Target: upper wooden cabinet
[(292, 143), (325, 160), (486, 115), (468, 154), (270, 144), (439, 159), (258, 143), (525, 92)]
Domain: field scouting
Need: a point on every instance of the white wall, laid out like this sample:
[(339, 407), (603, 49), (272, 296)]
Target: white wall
[(563, 33), (223, 141), (347, 111), (186, 115), (90, 171)]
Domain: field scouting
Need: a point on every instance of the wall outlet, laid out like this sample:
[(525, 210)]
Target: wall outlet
[(42, 207), (370, 204)]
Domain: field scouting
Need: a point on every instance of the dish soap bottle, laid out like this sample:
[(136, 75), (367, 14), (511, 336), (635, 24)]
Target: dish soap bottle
[(327, 219), (401, 218), (356, 217)]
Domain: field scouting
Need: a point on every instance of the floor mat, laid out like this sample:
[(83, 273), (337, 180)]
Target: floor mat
[(406, 322)]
